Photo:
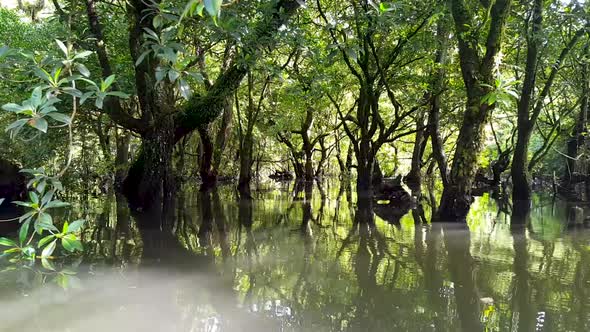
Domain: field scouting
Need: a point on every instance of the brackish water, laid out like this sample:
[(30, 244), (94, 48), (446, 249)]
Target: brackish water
[(308, 262)]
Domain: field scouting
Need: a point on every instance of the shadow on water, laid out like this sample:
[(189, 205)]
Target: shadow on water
[(311, 257)]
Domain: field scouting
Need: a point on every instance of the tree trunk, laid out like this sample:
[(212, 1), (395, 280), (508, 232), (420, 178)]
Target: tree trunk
[(456, 198), (309, 166), (377, 178), (298, 168), (577, 138), (499, 166), (222, 135), (364, 180), (576, 141), (122, 157), (246, 151), (207, 173), (476, 70), (521, 179), (438, 151), (149, 180), (319, 173), (414, 177), (521, 190), (526, 118), (364, 154)]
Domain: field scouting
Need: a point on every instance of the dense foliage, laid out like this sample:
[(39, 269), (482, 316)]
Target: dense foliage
[(172, 91)]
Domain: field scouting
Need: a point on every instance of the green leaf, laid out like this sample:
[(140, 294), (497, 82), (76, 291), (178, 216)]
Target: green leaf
[(107, 83), (57, 185), (25, 204), (47, 264), (23, 232), (152, 34), (85, 96), (26, 216), (119, 94), (41, 186), (158, 21), (37, 95), (43, 74), (141, 58), (12, 107), (185, 90), (45, 240), (76, 225), (71, 243), (7, 242), (56, 204), (29, 252), (173, 75), (62, 46), (83, 70), (198, 76), (49, 249), (82, 55), (99, 101), (45, 218), (60, 117), (160, 74), (72, 92), (213, 7), (16, 125), (39, 124), (34, 197), (45, 222), (47, 197)]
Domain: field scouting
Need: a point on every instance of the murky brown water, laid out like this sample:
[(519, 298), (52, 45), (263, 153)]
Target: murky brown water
[(309, 263)]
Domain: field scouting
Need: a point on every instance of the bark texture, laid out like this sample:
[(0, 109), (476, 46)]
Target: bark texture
[(477, 69)]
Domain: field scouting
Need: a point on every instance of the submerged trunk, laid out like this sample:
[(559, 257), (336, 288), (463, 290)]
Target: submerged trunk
[(477, 72), (527, 118), (521, 190), (298, 168), (456, 198), (365, 155), (364, 180), (150, 177), (377, 178)]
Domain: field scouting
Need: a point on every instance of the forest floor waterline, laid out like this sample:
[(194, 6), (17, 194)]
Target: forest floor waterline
[(286, 262)]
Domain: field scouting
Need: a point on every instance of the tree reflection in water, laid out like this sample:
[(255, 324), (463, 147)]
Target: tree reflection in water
[(309, 259)]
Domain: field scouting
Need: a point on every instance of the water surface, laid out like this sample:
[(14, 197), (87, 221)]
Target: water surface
[(312, 261)]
